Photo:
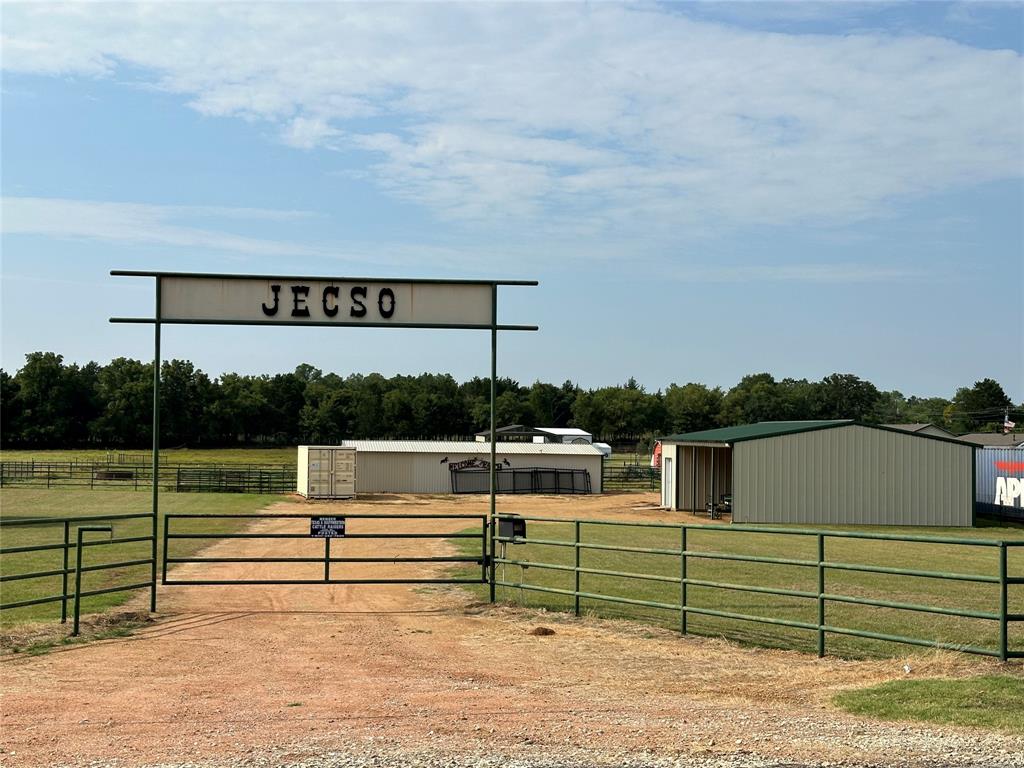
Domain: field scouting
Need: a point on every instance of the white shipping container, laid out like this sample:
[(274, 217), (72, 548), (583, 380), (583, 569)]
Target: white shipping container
[(327, 472)]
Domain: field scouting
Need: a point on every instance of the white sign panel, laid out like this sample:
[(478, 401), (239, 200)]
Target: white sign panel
[(299, 301)]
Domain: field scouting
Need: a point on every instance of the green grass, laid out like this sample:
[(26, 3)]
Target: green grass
[(934, 592), (992, 701), (280, 455), (26, 502)]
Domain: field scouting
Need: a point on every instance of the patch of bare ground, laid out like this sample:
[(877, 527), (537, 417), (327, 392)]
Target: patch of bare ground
[(347, 675)]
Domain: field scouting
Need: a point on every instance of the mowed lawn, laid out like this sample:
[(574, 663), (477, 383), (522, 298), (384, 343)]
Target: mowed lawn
[(31, 503), (941, 593)]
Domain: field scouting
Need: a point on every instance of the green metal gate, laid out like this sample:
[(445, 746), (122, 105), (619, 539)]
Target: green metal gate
[(177, 527)]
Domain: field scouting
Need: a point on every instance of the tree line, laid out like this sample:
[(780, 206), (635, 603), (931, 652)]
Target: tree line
[(50, 404)]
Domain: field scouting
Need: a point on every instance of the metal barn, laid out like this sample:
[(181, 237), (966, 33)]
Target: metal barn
[(821, 472), (441, 466)]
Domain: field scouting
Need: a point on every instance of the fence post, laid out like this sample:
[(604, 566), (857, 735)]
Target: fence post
[(64, 576), (483, 548), (167, 525), (78, 567), (821, 595), (327, 558), (576, 588), (1004, 650), (682, 579), (493, 523)]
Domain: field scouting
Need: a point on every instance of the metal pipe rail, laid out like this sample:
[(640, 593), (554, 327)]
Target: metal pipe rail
[(73, 543), (821, 565), (326, 559)]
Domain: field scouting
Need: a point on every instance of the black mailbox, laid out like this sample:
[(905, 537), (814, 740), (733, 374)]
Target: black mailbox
[(511, 528)]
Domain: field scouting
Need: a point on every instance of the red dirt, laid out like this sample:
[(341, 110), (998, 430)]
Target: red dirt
[(231, 672)]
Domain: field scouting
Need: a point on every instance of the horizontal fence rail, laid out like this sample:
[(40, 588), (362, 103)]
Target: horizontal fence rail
[(542, 480), (184, 477), (68, 539), (173, 524), (820, 566), (630, 477)]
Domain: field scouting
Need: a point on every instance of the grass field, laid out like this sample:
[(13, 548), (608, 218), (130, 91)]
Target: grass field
[(989, 701), (906, 589), (24, 502)]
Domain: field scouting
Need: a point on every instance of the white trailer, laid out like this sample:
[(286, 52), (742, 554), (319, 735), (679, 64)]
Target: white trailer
[(327, 472)]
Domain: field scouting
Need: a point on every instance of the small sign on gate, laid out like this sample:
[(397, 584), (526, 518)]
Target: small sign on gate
[(321, 527)]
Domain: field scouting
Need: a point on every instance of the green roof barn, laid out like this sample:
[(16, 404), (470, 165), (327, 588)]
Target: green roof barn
[(837, 472)]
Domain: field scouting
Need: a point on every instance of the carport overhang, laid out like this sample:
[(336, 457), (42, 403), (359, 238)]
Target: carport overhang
[(704, 473)]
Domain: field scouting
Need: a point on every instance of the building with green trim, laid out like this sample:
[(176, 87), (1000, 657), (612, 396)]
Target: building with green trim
[(837, 472)]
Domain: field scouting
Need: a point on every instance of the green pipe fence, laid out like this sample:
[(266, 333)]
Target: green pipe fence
[(327, 558), (181, 478), (65, 545), (820, 566)]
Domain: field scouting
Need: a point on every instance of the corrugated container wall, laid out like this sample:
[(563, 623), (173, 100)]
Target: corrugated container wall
[(393, 472), (995, 493), (853, 475)]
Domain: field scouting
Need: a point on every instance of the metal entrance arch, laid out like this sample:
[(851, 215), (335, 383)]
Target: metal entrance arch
[(190, 298)]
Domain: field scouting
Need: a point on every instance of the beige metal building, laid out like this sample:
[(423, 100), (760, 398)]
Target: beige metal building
[(821, 472), (434, 466)]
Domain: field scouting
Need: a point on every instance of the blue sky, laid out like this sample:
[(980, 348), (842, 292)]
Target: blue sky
[(703, 190)]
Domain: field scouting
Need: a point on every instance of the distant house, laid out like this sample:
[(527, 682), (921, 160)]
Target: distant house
[(995, 439), (517, 432), (540, 435), (922, 429)]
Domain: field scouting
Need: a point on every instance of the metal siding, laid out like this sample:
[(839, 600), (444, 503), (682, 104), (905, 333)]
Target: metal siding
[(852, 475), (420, 472), (670, 452)]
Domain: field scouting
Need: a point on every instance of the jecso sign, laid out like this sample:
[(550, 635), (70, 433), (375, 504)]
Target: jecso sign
[(324, 302)]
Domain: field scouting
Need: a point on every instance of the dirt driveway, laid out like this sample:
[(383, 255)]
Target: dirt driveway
[(390, 675)]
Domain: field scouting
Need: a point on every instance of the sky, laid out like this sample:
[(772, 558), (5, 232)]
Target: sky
[(703, 190)]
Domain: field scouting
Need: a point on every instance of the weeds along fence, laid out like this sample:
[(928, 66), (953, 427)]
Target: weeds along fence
[(851, 593), (197, 477), (59, 551), (630, 477)]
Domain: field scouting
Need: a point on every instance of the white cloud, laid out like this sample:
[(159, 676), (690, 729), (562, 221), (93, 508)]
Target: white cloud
[(134, 223), (606, 117), (803, 273)]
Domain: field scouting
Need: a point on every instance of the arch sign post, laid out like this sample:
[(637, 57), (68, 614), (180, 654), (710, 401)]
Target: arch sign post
[(372, 302)]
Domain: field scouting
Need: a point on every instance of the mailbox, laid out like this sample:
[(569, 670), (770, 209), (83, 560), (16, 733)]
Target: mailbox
[(511, 528)]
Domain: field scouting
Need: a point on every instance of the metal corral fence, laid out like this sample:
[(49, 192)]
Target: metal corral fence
[(522, 480), (630, 477), (208, 478), (684, 570), (64, 536)]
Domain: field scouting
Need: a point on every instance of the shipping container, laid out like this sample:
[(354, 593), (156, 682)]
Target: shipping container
[(327, 472)]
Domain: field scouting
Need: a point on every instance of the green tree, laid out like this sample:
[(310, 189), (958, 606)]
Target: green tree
[(692, 407), (757, 397), (125, 389), (845, 396), (979, 408)]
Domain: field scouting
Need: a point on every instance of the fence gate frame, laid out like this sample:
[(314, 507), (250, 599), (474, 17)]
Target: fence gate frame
[(234, 289)]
